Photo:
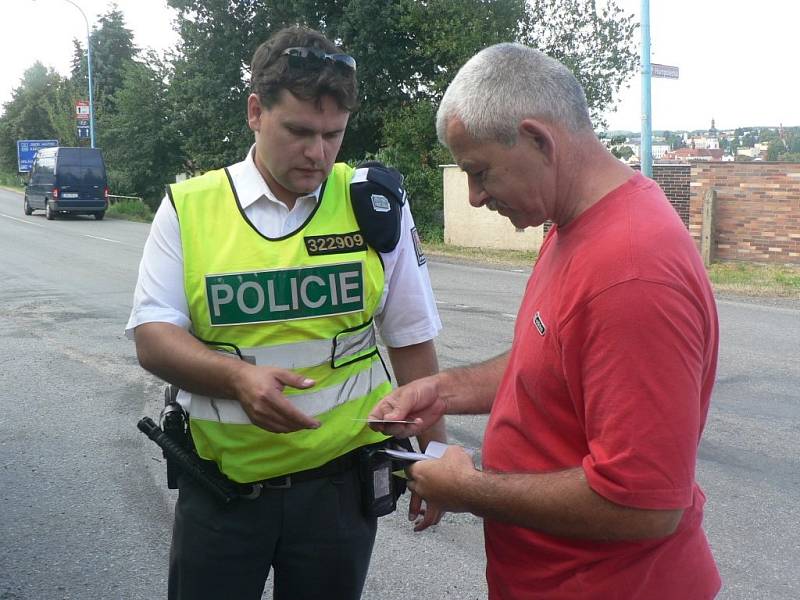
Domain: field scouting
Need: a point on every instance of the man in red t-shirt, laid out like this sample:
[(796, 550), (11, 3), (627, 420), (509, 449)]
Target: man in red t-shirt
[(588, 486)]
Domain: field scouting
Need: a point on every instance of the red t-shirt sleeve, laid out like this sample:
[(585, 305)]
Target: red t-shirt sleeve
[(633, 357)]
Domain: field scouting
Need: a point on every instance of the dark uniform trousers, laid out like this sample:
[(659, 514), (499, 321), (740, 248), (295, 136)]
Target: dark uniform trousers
[(313, 534)]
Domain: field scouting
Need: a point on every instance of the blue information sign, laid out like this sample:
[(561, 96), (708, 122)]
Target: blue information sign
[(83, 133), (26, 152)]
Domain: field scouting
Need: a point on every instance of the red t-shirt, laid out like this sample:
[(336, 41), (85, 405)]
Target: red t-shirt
[(611, 369)]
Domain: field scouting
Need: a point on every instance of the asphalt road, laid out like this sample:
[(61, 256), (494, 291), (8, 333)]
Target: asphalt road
[(84, 511)]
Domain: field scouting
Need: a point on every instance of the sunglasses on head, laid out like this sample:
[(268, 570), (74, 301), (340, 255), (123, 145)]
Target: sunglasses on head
[(307, 57)]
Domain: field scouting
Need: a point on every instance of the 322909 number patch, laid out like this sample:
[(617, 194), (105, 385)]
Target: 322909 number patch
[(337, 243)]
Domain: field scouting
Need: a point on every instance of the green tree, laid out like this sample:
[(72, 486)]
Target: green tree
[(623, 152), (775, 149), (792, 157), (596, 43), (407, 53), (113, 51), (208, 91), (735, 145), (430, 40), (60, 106), (27, 114), (411, 146), (793, 140), (674, 140), (142, 147), (766, 134), (618, 140)]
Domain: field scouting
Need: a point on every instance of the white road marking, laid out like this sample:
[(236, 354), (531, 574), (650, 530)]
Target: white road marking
[(97, 237), (21, 220)]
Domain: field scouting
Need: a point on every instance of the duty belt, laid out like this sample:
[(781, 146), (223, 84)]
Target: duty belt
[(337, 466)]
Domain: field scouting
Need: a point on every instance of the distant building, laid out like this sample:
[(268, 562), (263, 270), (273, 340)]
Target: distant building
[(709, 141), (690, 154), (758, 151), (658, 149)]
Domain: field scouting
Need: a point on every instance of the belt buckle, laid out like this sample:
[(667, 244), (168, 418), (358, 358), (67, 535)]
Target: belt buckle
[(278, 485)]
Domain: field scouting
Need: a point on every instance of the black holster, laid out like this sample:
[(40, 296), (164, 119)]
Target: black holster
[(175, 423), (380, 488)]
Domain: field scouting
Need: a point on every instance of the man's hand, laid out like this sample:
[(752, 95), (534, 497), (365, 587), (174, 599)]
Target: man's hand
[(440, 481), (423, 513), (260, 391), (418, 401)]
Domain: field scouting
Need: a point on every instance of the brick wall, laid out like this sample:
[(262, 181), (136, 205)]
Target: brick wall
[(674, 180), (758, 210)]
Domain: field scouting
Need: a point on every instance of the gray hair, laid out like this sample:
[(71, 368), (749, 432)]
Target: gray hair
[(502, 85)]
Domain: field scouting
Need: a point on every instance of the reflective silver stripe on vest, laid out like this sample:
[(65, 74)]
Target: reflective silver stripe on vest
[(311, 403), (311, 353)]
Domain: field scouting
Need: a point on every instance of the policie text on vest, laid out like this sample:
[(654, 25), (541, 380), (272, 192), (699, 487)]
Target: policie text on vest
[(281, 295)]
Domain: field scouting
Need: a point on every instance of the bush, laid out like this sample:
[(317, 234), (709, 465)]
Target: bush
[(14, 180), (131, 210), (411, 147)]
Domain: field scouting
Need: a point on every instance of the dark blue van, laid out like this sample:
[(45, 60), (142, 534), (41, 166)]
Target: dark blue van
[(67, 180)]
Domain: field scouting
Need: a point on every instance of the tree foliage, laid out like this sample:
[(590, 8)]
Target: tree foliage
[(145, 152), (596, 44), (155, 117), (27, 115)]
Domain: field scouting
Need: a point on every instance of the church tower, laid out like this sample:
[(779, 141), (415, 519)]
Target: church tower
[(712, 139)]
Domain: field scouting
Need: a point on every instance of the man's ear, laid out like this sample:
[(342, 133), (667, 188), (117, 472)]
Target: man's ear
[(540, 135), (254, 110)]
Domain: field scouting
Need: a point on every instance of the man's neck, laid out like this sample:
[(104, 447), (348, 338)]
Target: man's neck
[(287, 197), (590, 173)]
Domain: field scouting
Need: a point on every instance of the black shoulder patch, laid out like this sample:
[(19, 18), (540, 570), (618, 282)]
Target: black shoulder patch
[(377, 196), (421, 259)]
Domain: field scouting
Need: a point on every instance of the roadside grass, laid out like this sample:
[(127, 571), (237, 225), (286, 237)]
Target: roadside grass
[(505, 258), (130, 210), (756, 280), (747, 279), (12, 181)]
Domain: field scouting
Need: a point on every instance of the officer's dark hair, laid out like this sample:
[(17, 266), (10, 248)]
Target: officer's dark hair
[(270, 72)]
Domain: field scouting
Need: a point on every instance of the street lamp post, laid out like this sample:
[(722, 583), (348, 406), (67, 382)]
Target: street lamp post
[(646, 141), (89, 61)]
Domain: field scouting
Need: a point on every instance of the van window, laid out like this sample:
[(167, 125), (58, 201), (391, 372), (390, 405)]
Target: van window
[(81, 168), (47, 164)]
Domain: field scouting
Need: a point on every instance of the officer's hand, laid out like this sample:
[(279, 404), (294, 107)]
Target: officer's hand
[(418, 401), (260, 391)]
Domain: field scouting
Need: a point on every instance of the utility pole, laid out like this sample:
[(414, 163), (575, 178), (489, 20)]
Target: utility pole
[(646, 145), (89, 69)]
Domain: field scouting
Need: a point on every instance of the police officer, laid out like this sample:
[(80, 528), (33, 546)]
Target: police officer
[(258, 293)]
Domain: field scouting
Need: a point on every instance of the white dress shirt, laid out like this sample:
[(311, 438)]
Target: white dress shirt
[(407, 312)]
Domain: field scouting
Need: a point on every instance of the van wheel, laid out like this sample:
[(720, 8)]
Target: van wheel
[(99, 215), (49, 213), (27, 207)]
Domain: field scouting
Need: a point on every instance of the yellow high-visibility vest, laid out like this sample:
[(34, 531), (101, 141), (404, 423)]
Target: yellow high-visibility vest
[(304, 301)]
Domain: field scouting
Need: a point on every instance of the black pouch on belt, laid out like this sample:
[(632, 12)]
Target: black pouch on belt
[(379, 488)]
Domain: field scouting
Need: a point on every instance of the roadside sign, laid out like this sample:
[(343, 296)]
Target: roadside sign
[(83, 133), (82, 109), (664, 71), (26, 152)]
